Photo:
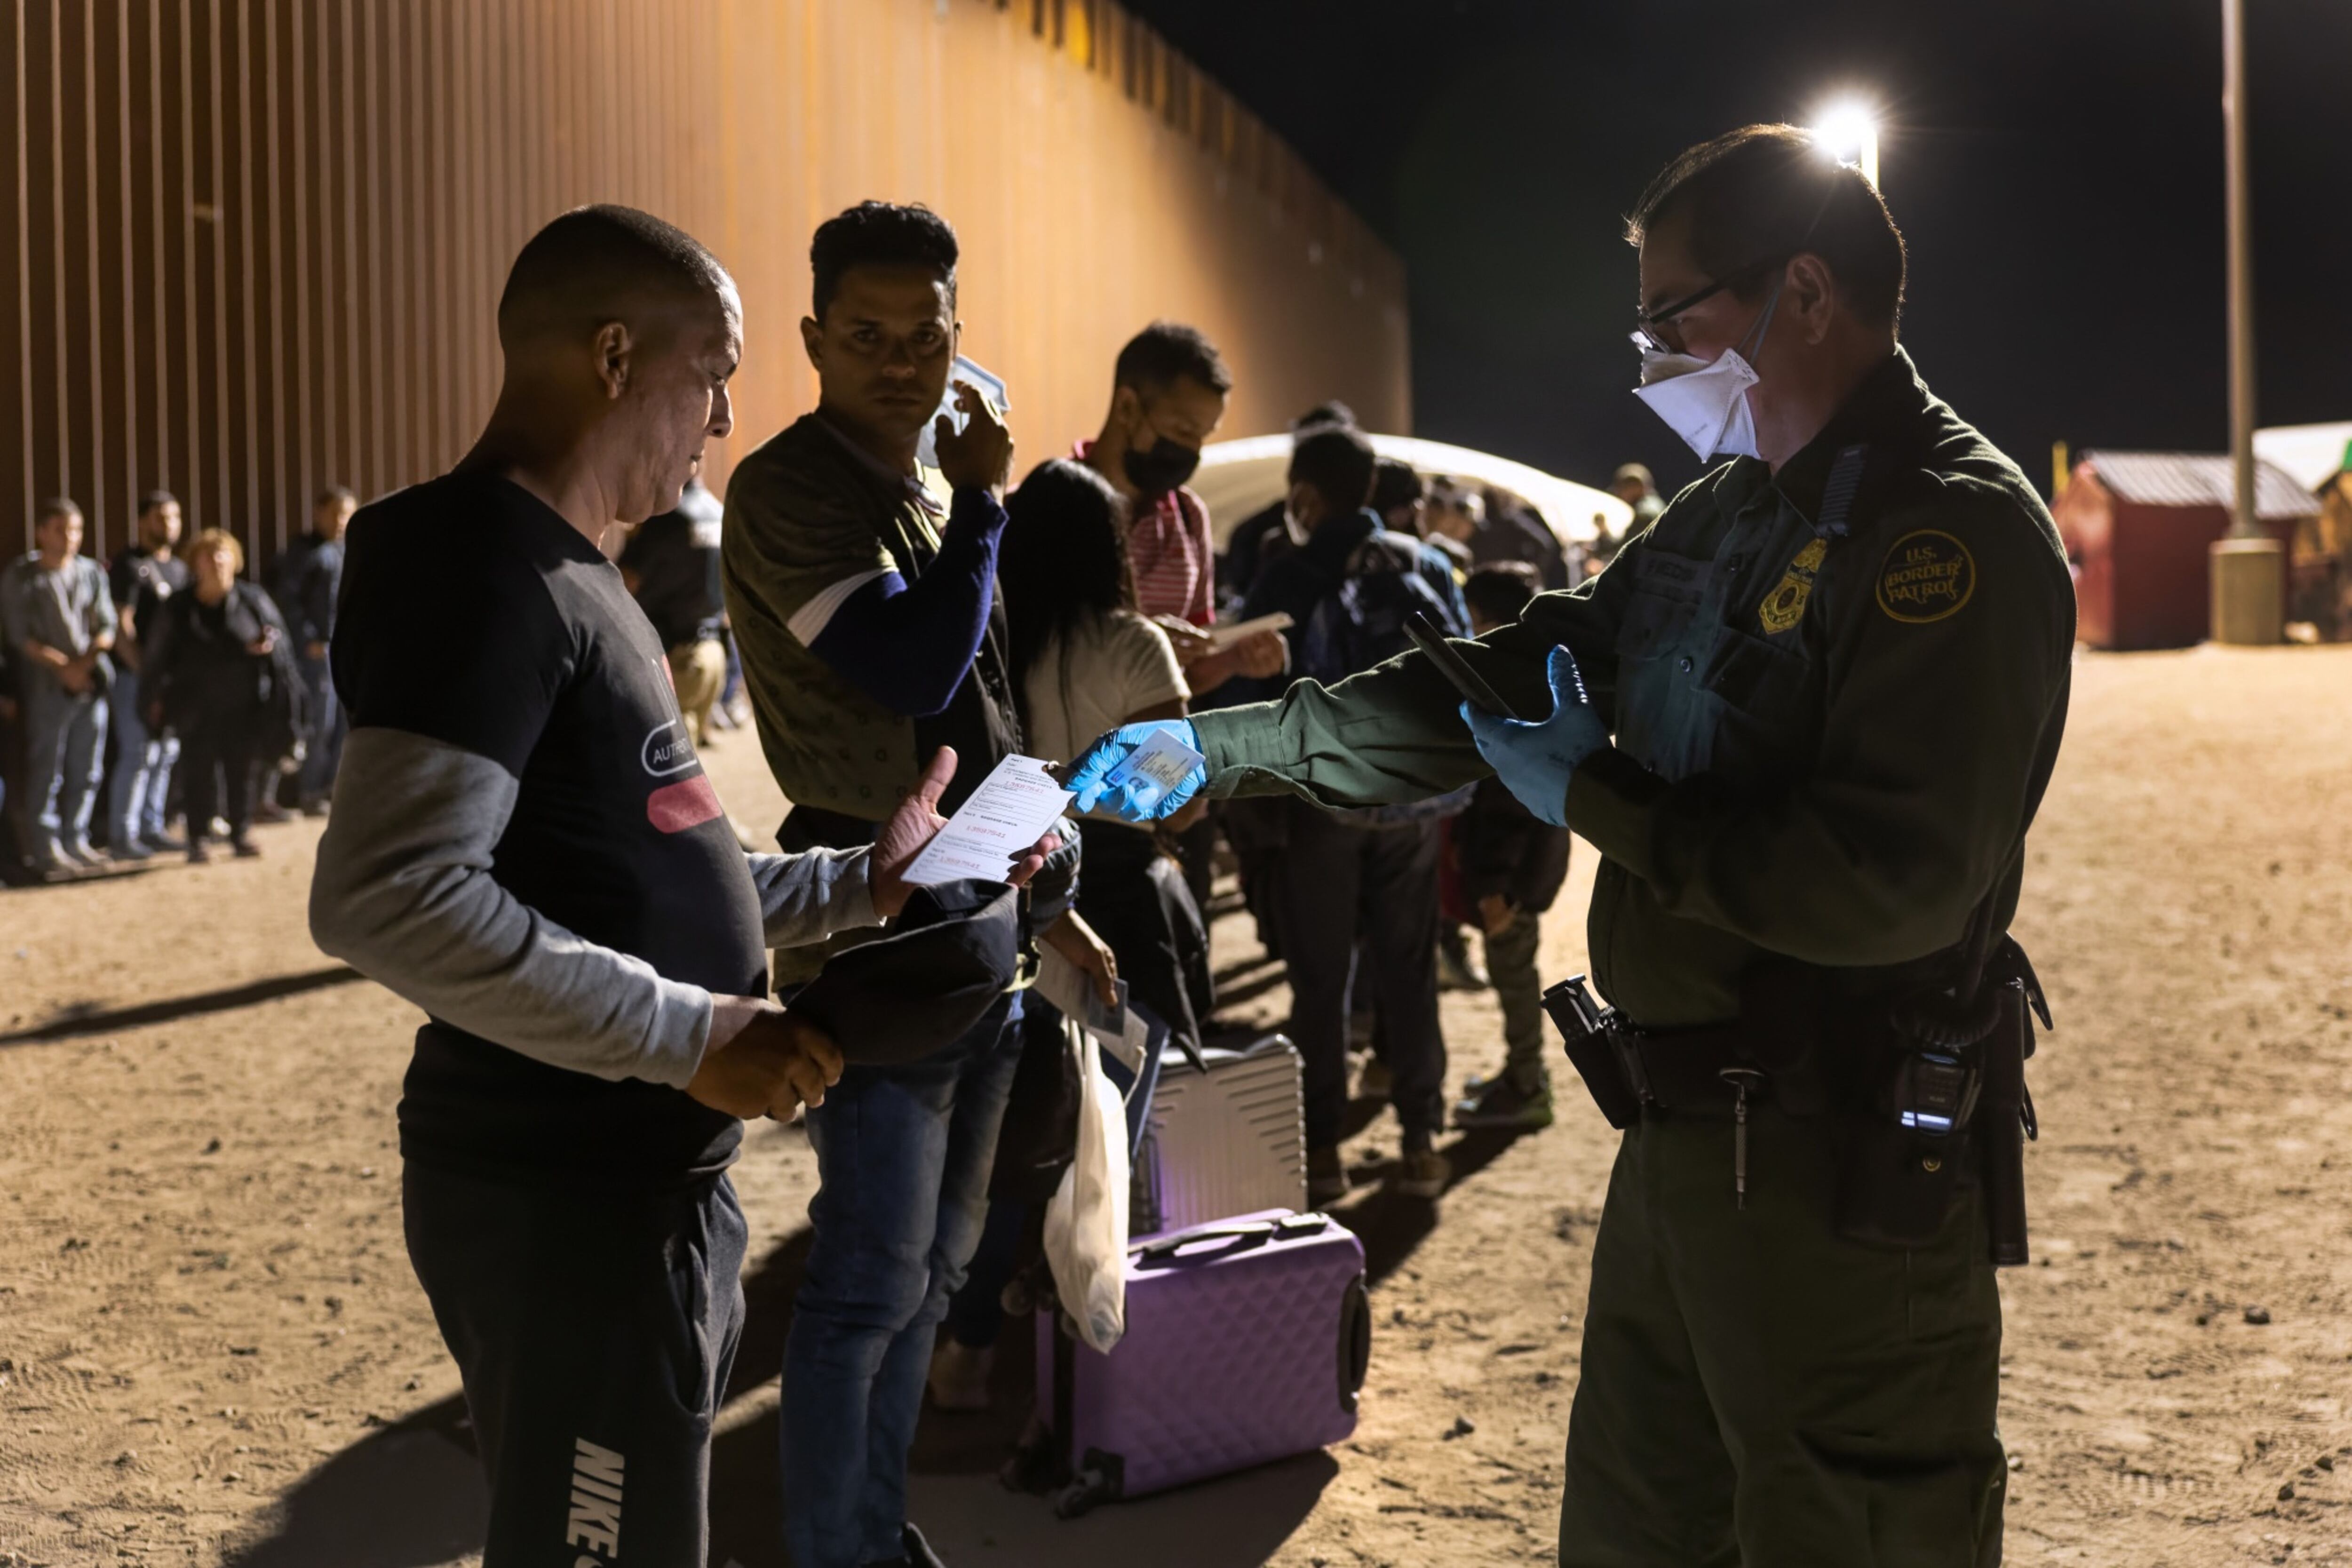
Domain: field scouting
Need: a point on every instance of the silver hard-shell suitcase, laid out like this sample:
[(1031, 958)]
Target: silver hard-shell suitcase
[(1232, 1140)]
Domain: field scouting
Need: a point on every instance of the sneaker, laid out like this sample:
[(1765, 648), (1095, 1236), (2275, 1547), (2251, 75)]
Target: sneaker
[(197, 854), (1422, 1173), (245, 849), (268, 810), (165, 843), (1326, 1178), (918, 1552), (1499, 1102), (129, 849), (315, 808), (1375, 1083), (81, 851), (959, 1375)]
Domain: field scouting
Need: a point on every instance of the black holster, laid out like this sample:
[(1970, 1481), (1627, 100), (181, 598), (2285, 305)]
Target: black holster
[(1595, 1049)]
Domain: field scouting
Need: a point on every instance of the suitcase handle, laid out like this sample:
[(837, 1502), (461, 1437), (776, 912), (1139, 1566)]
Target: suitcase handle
[(1239, 1238)]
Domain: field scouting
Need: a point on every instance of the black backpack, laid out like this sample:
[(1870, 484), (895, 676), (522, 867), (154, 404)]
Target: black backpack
[(1361, 622)]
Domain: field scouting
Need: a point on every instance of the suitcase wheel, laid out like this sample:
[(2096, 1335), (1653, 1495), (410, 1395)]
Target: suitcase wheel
[(1355, 1342)]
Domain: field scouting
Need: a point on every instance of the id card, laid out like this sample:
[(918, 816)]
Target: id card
[(1158, 766)]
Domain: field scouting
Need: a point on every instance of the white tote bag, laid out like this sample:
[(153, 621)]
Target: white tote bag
[(1086, 1224)]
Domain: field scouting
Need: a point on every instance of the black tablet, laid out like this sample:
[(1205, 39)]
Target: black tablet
[(1427, 638)]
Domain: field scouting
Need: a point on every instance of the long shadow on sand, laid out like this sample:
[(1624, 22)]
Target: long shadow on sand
[(406, 1496), (87, 1018)]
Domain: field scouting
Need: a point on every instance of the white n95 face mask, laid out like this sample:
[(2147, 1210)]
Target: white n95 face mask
[(1705, 401)]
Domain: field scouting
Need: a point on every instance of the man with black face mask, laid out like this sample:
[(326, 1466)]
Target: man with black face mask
[(1167, 397)]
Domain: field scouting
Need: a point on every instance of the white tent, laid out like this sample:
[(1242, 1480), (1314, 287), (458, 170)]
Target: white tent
[(2309, 453), (1238, 478)]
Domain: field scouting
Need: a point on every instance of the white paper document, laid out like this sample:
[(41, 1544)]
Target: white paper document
[(1005, 816), (1070, 990), (1225, 636)]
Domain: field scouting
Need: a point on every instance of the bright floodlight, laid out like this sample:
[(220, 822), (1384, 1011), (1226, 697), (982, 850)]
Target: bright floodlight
[(1848, 133)]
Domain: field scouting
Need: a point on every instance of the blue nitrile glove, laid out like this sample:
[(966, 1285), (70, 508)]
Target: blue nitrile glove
[(1141, 799), (1535, 761)]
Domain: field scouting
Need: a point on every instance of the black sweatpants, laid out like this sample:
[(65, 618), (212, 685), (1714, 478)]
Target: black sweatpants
[(1334, 880), (593, 1334)]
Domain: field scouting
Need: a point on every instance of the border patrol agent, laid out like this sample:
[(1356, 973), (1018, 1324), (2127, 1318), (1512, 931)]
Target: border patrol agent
[(1806, 717)]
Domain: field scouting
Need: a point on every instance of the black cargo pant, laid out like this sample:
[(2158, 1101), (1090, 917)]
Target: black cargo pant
[(1335, 880), (593, 1334)]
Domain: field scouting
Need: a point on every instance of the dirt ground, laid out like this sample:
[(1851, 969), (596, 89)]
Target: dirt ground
[(212, 1351)]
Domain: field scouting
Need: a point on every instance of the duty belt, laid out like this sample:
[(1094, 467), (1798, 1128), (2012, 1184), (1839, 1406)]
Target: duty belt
[(1629, 1069), (1684, 1069)]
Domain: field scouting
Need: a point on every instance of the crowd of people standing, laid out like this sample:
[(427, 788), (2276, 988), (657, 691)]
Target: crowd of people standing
[(163, 686), (872, 612)]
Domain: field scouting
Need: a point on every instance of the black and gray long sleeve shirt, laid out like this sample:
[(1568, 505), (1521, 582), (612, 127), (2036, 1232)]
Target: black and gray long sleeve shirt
[(525, 844)]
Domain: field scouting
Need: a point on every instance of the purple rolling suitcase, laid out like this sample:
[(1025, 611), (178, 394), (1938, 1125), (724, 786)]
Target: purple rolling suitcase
[(1246, 1341)]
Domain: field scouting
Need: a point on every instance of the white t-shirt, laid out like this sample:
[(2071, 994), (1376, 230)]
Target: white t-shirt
[(1109, 666)]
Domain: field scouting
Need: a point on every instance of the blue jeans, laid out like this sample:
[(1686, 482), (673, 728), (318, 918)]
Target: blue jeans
[(323, 753), (64, 752), (903, 1158), (143, 769)]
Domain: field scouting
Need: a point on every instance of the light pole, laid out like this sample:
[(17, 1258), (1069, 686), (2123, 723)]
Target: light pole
[(2248, 566), (1848, 133)]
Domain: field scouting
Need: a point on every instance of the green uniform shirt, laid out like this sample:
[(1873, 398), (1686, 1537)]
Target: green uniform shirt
[(1828, 745)]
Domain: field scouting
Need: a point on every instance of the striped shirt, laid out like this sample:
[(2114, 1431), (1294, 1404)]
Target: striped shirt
[(1169, 546)]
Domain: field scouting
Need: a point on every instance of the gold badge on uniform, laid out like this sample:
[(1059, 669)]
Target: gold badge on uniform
[(1784, 606), (1929, 574)]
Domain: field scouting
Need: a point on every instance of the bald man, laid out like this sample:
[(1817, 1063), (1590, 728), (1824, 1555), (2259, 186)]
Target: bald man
[(525, 846)]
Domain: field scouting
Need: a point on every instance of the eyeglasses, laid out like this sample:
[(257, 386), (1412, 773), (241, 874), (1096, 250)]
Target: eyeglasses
[(1648, 335)]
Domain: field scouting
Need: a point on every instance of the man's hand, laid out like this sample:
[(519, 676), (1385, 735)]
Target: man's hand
[(762, 1062), (260, 647), (915, 824), (316, 652), (1535, 761), (1258, 656), (1190, 643), (1139, 800), (982, 456), (74, 675), (1076, 940), (1496, 915)]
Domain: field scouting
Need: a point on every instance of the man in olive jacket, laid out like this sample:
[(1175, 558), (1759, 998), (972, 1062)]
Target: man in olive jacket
[(1820, 701)]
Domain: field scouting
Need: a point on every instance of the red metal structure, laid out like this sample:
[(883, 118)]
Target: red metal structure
[(2137, 526)]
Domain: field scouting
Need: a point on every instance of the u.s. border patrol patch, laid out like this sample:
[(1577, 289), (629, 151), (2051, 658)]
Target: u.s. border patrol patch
[(1929, 574), (1784, 606)]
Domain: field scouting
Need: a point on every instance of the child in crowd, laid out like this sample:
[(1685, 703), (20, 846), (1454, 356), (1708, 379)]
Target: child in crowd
[(1512, 868)]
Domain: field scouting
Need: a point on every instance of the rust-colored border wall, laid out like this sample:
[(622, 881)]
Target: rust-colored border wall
[(249, 247)]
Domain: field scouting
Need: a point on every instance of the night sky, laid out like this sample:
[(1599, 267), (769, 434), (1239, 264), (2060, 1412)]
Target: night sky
[(2055, 165)]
